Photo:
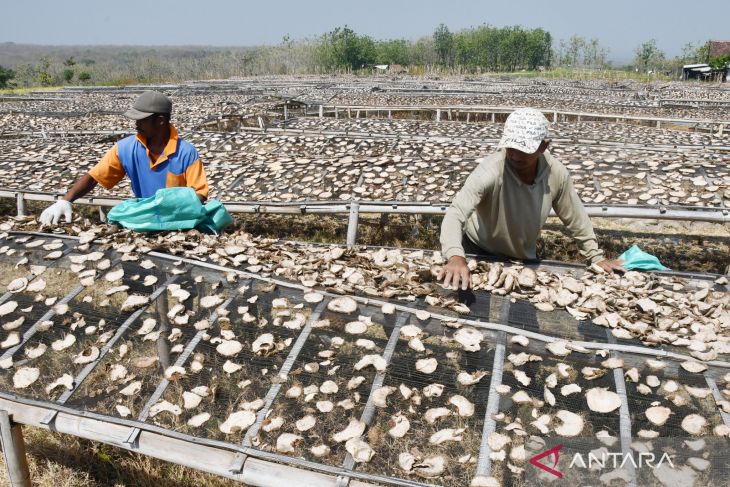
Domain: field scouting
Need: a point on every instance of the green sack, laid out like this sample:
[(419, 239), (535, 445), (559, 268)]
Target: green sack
[(635, 258), (216, 217), (171, 209)]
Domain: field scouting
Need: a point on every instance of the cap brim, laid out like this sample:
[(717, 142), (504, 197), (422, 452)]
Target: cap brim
[(526, 146), (135, 114)]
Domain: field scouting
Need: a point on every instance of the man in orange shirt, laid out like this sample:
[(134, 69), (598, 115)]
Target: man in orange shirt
[(153, 159)]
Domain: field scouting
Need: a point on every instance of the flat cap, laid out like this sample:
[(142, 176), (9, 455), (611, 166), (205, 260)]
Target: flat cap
[(149, 103)]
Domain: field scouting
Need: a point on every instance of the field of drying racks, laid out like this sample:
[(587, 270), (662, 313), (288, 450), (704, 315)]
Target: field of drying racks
[(354, 362)]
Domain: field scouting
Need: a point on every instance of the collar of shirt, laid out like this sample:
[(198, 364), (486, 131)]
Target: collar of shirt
[(170, 148), (543, 165)]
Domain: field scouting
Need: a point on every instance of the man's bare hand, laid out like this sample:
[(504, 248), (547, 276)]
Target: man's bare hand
[(611, 266), (456, 272)]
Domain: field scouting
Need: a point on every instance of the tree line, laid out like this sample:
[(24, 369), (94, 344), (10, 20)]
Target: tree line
[(477, 49), (648, 57)]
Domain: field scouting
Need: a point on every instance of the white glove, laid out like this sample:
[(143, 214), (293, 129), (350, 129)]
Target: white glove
[(53, 213)]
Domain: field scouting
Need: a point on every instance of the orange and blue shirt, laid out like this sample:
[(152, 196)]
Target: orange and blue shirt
[(178, 165)]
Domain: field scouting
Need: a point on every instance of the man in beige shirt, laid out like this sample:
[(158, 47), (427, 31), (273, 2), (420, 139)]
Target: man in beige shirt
[(505, 202)]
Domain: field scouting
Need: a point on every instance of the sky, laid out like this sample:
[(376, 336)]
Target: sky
[(620, 25)]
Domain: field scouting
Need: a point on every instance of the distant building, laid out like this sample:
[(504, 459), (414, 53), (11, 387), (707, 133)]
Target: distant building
[(390, 69), (718, 48), (696, 71)]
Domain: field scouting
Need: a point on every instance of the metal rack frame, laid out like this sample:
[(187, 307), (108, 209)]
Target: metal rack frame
[(243, 462)]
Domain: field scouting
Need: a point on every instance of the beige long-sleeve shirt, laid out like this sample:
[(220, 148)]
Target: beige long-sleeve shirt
[(504, 216)]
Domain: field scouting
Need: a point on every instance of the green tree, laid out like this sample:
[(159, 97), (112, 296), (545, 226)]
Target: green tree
[(443, 41), (24, 75), (580, 52), (648, 56), (245, 61), (691, 54), (719, 63), (503, 49), (84, 76), (688, 53), (594, 55), (69, 62), (288, 45), (422, 52), (537, 48), (344, 48), (392, 52), (702, 55), (6, 77), (42, 76), (68, 75), (575, 46)]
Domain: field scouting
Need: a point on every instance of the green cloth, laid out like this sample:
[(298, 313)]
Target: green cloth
[(635, 258), (171, 209)]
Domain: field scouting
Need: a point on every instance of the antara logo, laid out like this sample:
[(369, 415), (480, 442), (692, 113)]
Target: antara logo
[(551, 470), (603, 460), (620, 460)]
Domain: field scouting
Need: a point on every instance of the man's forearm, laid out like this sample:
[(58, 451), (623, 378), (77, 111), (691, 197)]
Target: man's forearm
[(80, 188), (464, 204), (452, 233), (571, 212)]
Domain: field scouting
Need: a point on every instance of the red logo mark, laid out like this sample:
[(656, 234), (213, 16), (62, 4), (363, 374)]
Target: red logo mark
[(547, 453)]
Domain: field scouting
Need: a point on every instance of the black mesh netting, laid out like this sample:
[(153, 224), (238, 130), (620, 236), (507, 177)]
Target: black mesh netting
[(300, 368)]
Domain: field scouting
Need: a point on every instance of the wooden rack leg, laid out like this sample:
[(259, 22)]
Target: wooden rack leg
[(16, 462)]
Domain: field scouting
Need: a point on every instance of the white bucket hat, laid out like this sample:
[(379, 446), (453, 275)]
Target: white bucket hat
[(524, 130)]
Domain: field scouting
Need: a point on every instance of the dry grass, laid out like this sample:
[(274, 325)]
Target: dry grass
[(26, 91), (8, 272), (58, 460), (7, 207)]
